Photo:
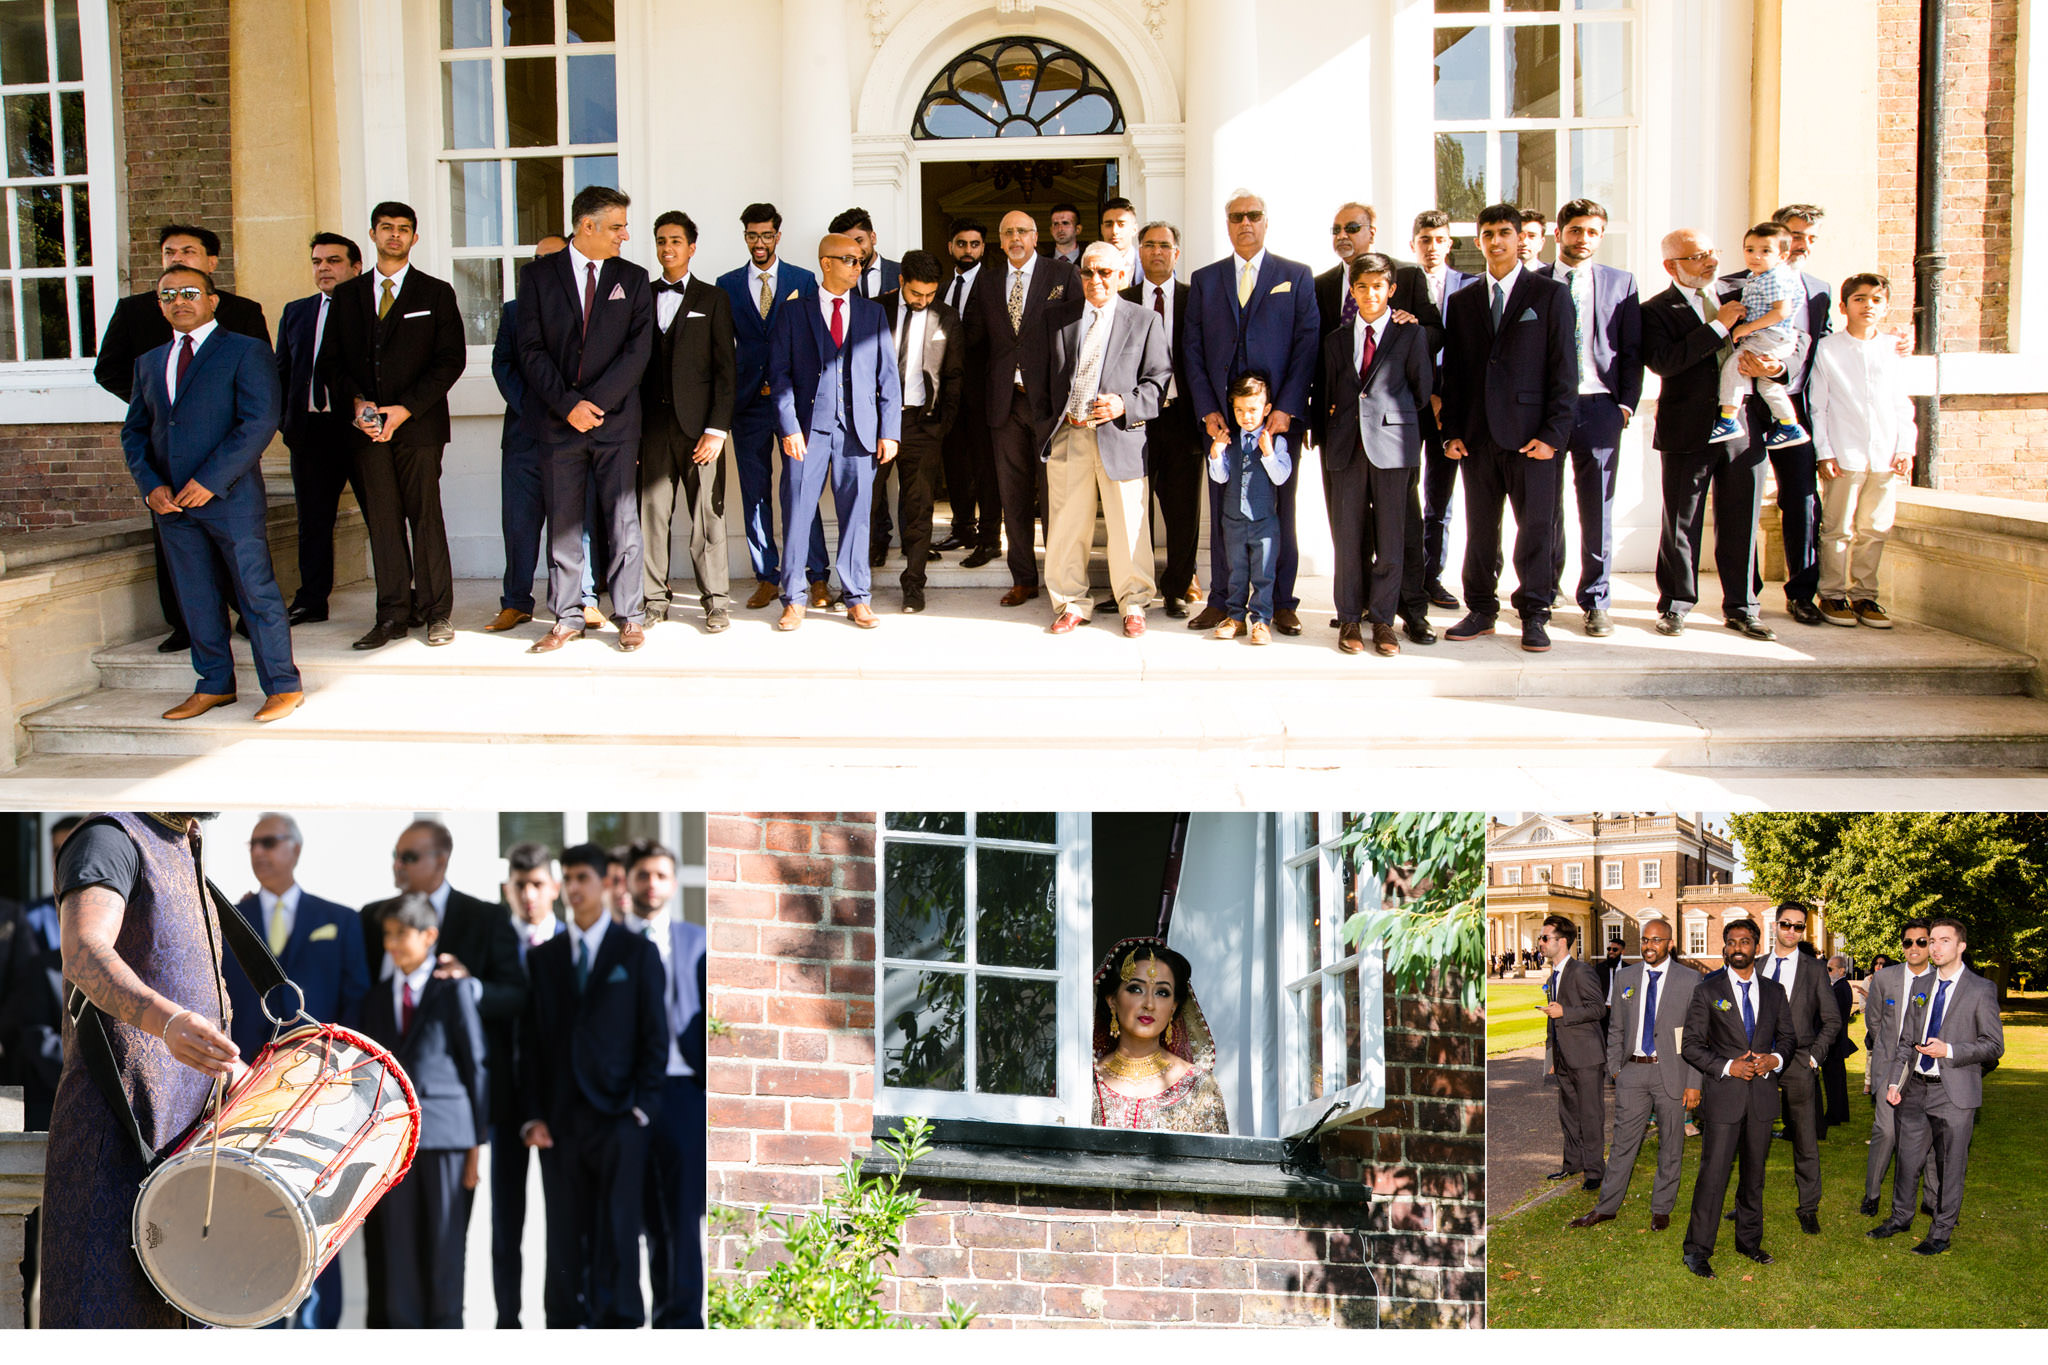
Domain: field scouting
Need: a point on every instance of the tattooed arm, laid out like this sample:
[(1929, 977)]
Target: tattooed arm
[(91, 918)]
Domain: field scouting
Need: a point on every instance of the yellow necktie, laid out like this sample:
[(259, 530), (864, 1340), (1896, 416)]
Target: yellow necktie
[(385, 306), (1246, 278), (280, 932), (767, 293)]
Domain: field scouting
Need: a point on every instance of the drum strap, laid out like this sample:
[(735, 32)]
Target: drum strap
[(257, 962)]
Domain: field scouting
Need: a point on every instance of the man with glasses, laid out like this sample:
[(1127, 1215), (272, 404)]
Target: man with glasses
[(1815, 1025), (1351, 233), (1884, 1022), (759, 290), (1253, 313), (1173, 453), (315, 431), (1685, 333), (320, 946), (1937, 1084), (1650, 1000), (1573, 1051)]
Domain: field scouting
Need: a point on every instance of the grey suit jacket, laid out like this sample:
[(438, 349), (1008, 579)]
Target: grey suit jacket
[(1816, 1021), (1135, 365), (1624, 1023), (1883, 1015), (1969, 1025)]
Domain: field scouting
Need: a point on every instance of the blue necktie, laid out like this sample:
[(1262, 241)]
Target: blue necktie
[(1650, 1017), (1550, 986), (582, 964), (1776, 963), (1500, 303), (1934, 1025), (1748, 1015)]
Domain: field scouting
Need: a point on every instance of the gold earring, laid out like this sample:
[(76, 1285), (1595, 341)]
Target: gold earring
[(1113, 1030), (1166, 1038)]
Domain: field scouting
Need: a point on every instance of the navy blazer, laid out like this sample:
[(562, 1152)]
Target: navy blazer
[(505, 370), (1134, 365), (1521, 385), (1816, 321), (751, 331), (892, 280), (1277, 334), (1714, 1037), (800, 373), (1617, 332), (609, 1044), (1388, 430), (297, 356), (442, 1054), (324, 957), (685, 998), (216, 432), (565, 363)]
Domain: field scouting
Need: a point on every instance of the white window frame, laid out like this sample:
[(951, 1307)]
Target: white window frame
[(1071, 1104), (1575, 876), (1511, 875), (1343, 1100), (1541, 874), (1611, 875), (1612, 930), (1649, 874), (1695, 935), (37, 391), (1540, 835)]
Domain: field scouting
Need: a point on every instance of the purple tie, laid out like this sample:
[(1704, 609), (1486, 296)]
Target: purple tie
[(184, 362)]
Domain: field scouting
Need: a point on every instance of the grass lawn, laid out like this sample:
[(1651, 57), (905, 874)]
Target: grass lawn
[(1511, 1018), (1542, 1274)]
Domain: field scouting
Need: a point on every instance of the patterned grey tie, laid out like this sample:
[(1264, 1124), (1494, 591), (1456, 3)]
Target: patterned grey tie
[(1088, 369)]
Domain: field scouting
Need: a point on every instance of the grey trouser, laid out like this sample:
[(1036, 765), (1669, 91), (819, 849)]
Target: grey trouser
[(1883, 1123), (1639, 1092), (1581, 1113), (1935, 1133), (668, 476)]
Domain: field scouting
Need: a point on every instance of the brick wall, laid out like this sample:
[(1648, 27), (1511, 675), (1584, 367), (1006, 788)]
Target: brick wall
[(792, 925), (64, 475), (173, 57)]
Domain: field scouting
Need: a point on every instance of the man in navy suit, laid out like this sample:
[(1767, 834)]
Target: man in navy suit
[(1510, 379), (205, 406), (759, 290), (878, 274), (586, 328), (1252, 313), (838, 406), (315, 430), (1431, 280), (1174, 455), (1738, 1037), (675, 1152), (532, 882), (1608, 346), (522, 504), (593, 1055)]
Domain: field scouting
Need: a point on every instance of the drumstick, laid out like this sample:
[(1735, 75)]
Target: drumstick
[(213, 1166)]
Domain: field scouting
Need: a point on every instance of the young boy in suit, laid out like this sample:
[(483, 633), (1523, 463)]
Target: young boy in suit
[(417, 1232), (1252, 468)]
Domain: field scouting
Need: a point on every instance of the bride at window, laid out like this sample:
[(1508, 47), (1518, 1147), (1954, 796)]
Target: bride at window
[(1154, 1057)]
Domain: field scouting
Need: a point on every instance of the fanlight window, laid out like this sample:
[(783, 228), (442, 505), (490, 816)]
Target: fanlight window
[(1018, 87)]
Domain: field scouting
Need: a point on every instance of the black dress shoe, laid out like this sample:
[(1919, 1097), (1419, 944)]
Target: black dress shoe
[(305, 616), (1933, 1246), (382, 634), (1869, 1207), (242, 626), (1809, 1225), (1671, 623), (1560, 1175), (177, 642), (1286, 621), (878, 556), (932, 555), (1659, 1221), (441, 632), (1757, 1254), (1751, 625), (1107, 608), (1888, 1229), (1599, 625), (1177, 608), (1728, 1217), (1440, 596), (1535, 639), (1471, 628), (1591, 1182), (1418, 630), (1698, 1266), (1590, 1220), (1804, 612), (951, 542), (980, 557), (913, 603)]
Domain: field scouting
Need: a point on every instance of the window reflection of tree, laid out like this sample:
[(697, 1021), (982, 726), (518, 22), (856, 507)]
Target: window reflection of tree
[(926, 1049)]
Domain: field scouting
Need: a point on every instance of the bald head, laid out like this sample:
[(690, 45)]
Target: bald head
[(839, 262), (1679, 249), (1019, 236)]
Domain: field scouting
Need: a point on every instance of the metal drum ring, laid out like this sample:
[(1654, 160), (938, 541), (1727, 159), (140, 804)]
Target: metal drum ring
[(263, 1003)]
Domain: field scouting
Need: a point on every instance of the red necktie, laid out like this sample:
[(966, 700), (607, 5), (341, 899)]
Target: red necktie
[(1365, 361), (184, 362), (838, 325), (589, 293), (405, 1013), (1159, 299)]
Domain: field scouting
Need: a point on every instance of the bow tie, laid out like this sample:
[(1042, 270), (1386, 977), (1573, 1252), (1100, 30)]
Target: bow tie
[(664, 287)]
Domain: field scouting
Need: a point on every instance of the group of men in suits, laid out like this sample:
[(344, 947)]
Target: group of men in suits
[(1744, 1046)]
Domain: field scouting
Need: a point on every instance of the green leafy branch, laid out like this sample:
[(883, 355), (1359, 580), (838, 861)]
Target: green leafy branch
[(1433, 920)]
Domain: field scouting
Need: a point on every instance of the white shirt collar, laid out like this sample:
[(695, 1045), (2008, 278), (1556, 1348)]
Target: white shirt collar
[(289, 900), (577, 260), (1506, 282), (397, 279), (536, 933), (438, 897), (1239, 263), (417, 979), (656, 925), (757, 273), (683, 283), (1030, 264), (198, 334), (593, 936)]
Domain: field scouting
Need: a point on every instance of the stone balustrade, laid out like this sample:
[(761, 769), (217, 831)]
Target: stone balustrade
[(21, 1191)]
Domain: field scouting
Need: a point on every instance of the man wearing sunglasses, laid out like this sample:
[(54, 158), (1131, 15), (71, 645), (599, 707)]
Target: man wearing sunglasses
[(1815, 1025), (1884, 1018), (1574, 1050)]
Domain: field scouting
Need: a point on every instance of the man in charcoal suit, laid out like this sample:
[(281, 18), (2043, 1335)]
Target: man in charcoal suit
[(1573, 1050), (929, 356), (1816, 1023), (1738, 1037), (522, 475), (977, 520), (1651, 998), (1173, 446), (1884, 1022), (1432, 281), (1937, 1084), (315, 430)]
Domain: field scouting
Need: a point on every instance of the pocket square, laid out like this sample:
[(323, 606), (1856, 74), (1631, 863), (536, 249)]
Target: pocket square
[(324, 933), (618, 975), (618, 292), (1284, 287), (787, 297), (1528, 315), (423, 313), (688, 316)]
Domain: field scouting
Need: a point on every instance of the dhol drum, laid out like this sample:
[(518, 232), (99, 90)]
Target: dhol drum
[(318, 1129)]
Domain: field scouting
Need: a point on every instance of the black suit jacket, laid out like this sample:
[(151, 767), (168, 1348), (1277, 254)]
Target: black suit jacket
[(1177, 417), (444, 1056), (31, 1014), (1519, 385), (410, 358), (139, 327), (1684, 352), (703, 371), (296, 360), (1714, 1037), (1845, 1004), (1052, 299), (1397, 390), (943, 363), (565, 363), (608, 1045)]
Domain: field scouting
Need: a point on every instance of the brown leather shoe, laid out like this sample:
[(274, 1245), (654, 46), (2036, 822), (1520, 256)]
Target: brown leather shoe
[(1286, 621), (862, 615), (1066, 621), (764, 593), (820, 597), (279, 705), (508, 618), (198, 704), (1229, 628), (593, 619), (1260, 633), (1210, 617), (792, 616), (1134, 625), (1018, 596), (1590, 1220), (632, 635), (1385, 643), (1195, 593), (561, 635), (1350, 638)]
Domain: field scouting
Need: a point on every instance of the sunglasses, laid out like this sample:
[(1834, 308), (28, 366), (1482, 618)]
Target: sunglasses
[(1248, 216), (266, 842), (1345, 229), (407, 856), (1791, 924), (1915, 942), (852, 262), (190, 293), (1104, 272)]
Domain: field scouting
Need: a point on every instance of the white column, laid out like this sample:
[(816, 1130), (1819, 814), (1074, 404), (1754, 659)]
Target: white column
[(1222, 95), (817, 124)]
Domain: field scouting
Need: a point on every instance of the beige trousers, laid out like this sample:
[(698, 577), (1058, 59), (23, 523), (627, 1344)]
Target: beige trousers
[(1856, 516), (1075, 486)]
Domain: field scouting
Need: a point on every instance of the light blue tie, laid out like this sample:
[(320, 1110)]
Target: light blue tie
[(1934, 1025)]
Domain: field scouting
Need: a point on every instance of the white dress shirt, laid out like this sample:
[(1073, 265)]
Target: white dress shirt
[(656, 927), (668, 302), (397, 279), (199, 335), (1781, 968), (1580, 281), (417, 979), (825, 298), (958, 298), (1506, 285), (914, 323), (1239, 265), (1652, 976), (577, 260), (438, 898), (1933, 982), (315, 400), (1359, 327), (274, 906), (1862, 414), (756, 274), (1756, 1005), (593, 937), (871, 280), (1436, 280), (537, 934)]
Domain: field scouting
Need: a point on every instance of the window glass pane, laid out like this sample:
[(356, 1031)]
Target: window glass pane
[(40, 211), (71, 109), (978, 88), (1308, 1013), (1016, 912), (929, 822), (594, 170), (529, 23), (1601, 80), (1308, 891), (1461, 176), (1038, 827), (529, 827), (1531, 6), (1534, 72), (479, 293), (88, 318), (1089, 114), (1461, 73), (530, 101), (1528, 169), (924, 905), (29, 151), (24, 55), (924, 1037), (537, 197), (466, 105), (1461, 6), (476, 209), (81, 228), (591, 21), (593, 99), (465, 23), (948, 118), (616, 829), (70, 61), (1016, 1040), (1354, 1024), (1602, 4), (1600, 172), (7, 321), (45, 320)]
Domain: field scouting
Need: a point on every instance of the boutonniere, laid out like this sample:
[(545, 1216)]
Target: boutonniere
[(1724, 1005), (1284, 287), (1921, 998), (1628, 992), (1058, 291)]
